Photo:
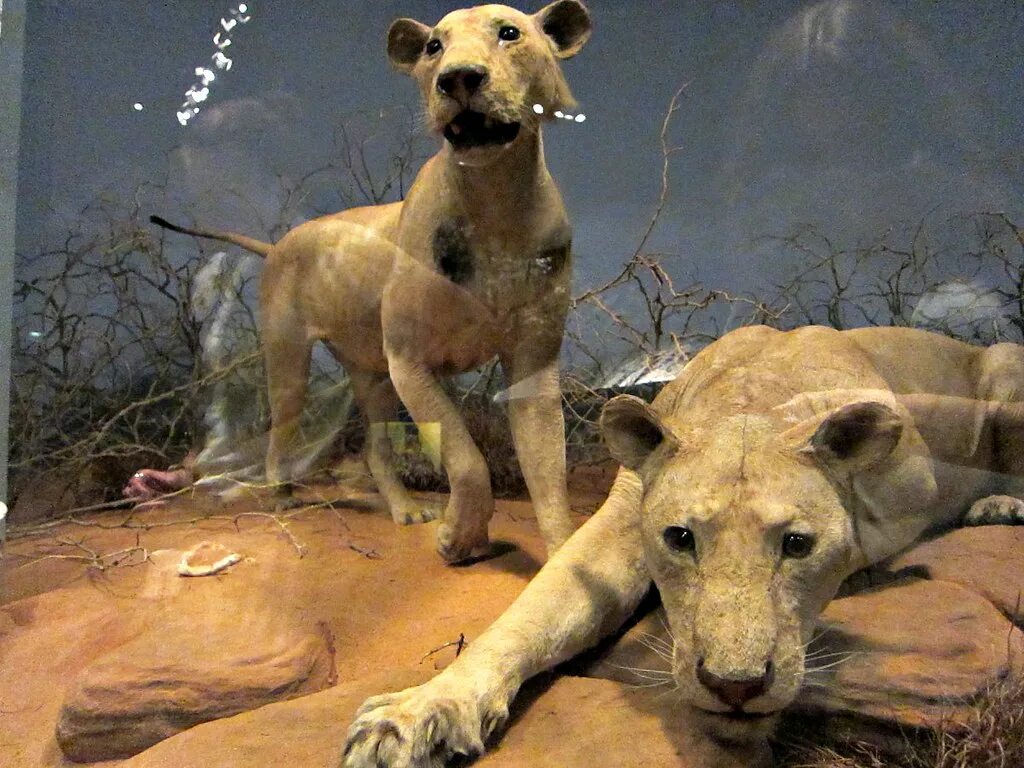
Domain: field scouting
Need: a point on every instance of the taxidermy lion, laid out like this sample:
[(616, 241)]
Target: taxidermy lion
[(474, 263), (772, 468)]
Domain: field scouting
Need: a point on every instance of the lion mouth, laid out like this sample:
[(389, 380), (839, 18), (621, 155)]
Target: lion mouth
[(472, 129), (739, 715)]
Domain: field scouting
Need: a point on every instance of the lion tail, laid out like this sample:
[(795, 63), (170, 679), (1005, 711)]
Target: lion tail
[(248, 243)]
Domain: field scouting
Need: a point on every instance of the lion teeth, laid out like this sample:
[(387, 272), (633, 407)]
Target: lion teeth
[(455, 129)]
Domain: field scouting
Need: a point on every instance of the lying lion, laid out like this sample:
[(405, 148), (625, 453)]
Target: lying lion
[(475, 262), (776, 465)]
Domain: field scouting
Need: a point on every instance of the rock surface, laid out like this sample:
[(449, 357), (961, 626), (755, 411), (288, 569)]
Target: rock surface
[(919, 653), (305, 732), (574, 722), (987, 560), (173, 678)]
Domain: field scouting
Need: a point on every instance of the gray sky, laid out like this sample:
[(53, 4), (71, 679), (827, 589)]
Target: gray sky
[(846, 113)]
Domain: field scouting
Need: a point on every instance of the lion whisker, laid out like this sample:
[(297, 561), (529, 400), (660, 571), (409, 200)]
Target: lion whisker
[(670, 691), (664, 623), (644, 686), (838, 654), (663, 674), (818, 634), (657, 639), (824, 667), (659, 645)]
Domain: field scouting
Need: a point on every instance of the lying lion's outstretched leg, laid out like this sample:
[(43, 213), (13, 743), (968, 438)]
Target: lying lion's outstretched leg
[(379, 402), (463, 531), (538, 430), (585, 592)]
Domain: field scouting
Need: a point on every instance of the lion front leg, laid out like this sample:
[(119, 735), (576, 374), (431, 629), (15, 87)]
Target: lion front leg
[(584, 593), (463, 531), (538, 430)]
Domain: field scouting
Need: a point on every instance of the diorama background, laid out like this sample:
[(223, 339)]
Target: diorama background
[(843, 162)]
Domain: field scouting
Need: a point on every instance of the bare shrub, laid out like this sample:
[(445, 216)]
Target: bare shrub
[(963, 277), (108, 368), (635, 331), (105, 354)]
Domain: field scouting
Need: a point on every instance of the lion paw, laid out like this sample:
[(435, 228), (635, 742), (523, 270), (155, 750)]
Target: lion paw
[(416, 729), (456, 547), (996, 510), (415, 513)]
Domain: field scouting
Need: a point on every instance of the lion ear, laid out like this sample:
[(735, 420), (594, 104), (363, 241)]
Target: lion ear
[(855, 437), (406, 38), (567, 24), (633, 431)]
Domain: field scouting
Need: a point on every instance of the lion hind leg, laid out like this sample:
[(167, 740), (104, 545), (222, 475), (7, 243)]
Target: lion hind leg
[(287, 361)]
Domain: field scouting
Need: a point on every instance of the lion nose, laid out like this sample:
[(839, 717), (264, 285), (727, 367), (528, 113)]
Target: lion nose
[(735, 693), (465, 80)]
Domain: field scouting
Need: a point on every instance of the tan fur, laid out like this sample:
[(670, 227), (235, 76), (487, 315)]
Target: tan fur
[(368, 281), (863, 440)]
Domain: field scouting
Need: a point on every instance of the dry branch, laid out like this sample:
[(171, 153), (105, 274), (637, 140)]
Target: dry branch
[(459, 644), (104, 561)]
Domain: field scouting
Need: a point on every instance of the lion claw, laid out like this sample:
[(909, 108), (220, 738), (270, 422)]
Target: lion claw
[(416, 729), (414, 515)]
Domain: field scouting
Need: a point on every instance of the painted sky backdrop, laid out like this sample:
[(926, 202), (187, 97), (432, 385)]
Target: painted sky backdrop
[(845, 113)]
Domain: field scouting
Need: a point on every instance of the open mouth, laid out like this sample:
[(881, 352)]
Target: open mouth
[(472, 129), (739, 716)]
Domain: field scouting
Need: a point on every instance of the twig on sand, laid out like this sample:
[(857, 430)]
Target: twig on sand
[(70, 517), (369, 554), (459, 645), (101, 561)]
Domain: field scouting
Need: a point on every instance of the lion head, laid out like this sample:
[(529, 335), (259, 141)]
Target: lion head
[(750, 524), (490, 74)]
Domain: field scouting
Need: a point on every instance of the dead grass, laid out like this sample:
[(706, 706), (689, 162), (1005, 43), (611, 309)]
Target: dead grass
[(993, 737)]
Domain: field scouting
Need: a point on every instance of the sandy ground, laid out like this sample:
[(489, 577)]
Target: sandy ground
[(106, 586), (386, 596)]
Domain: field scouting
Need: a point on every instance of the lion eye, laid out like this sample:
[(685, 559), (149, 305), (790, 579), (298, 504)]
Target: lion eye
[(797, 545), (433, 46), (509, 33), (679, 539)]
